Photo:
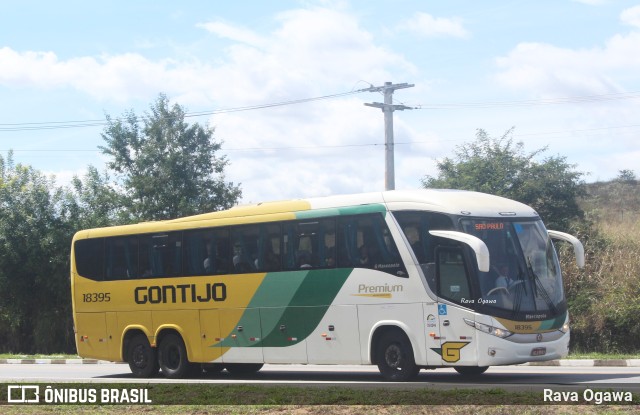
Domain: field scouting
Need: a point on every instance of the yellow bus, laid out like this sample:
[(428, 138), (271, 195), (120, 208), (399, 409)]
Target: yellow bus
[(405, 280)]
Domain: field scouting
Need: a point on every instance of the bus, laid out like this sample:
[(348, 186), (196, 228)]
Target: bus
[(405, 280)]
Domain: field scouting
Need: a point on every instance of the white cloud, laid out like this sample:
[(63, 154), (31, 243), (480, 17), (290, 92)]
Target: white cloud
[(424, 24), (631, 16), (233, 32), (551, 71), (312, 52), (119, 78)]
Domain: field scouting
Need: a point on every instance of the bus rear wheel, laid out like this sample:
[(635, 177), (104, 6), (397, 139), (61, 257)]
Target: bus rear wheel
[(142, 358), (471, 370), (395, 357), (172, 356)]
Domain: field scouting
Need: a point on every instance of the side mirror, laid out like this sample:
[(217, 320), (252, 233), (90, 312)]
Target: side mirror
[(477, 244), (578, 249)]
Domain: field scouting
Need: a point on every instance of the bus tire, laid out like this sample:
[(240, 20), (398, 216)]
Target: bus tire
[(172, 356), (395, 357), (471, 370), (243, 368), (142, 358)]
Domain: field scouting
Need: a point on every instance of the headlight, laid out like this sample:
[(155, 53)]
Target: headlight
[(565, 327), (494, 331)]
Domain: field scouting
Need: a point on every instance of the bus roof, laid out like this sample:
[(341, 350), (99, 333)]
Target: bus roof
[(438, 200)]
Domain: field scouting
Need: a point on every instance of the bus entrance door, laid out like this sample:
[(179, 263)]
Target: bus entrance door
[(454, 290), (457, 347)]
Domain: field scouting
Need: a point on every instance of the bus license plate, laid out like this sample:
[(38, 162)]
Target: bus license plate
[(539, 351)]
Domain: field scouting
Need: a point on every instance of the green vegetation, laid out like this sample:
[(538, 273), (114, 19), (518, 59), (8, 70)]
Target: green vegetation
[(166, 167), (604, 298), (161, 167), (228, 394), (501, 167), (447, 409)]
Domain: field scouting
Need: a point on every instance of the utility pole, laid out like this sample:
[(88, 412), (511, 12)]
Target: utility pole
[(388, 108)]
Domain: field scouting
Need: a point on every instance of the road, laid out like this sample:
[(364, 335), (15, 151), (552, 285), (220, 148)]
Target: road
[(533, 378)]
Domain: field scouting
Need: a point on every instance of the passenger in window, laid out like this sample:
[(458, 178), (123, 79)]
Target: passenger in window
[(240, 264), (304, 260), (271, 261), (363, 259), (330, 261), (209, 261)]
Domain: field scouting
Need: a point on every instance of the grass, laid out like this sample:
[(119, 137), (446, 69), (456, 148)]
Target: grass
[(603, 356), (604, 297), (168, 395), (283, 400), (326, 410)]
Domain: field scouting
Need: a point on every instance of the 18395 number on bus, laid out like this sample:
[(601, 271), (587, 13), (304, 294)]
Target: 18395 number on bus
[(96, 297)]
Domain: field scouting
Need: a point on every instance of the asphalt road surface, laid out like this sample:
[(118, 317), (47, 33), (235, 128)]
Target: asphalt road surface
[(532, 378)]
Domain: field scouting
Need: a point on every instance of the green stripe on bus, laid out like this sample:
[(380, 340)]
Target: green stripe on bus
[(349, 210), (287, 307), (307, 308)]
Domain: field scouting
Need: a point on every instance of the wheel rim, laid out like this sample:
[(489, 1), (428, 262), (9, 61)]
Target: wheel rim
[(393, 357), (139, 357)]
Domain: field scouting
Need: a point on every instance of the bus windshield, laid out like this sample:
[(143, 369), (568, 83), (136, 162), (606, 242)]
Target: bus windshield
[(524, 279)]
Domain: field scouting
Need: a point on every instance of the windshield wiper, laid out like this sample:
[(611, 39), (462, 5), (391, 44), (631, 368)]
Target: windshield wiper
[(520, 287), (539, 289)]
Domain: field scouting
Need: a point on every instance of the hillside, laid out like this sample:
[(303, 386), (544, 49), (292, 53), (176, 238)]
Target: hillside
[(613, 202), (604, 297)]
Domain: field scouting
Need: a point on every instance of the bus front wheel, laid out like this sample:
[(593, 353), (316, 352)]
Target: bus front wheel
[(395, 357), (172, 356), (142, 358)]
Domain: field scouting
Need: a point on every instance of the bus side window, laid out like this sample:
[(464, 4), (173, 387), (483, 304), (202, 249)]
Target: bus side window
[(206, 251), (309, 244), (364, 241), (121, 258), (416, 227), (269, 248), (89, 257), (244, 240), (160, 255)]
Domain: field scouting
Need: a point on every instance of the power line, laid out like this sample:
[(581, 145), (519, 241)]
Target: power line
[(54, 125), (532, 102), (563, 133)]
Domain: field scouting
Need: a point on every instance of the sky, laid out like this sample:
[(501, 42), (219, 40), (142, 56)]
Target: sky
[(562, 73)]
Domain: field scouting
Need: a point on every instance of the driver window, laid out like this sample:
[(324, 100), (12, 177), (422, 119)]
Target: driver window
[(453, 281)]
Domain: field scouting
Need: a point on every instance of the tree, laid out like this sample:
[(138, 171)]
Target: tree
[(167, 167), (626, 176), (501, 167), (35, 235), (93, 201)]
